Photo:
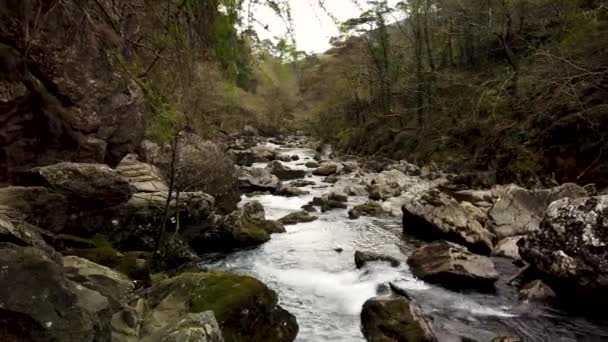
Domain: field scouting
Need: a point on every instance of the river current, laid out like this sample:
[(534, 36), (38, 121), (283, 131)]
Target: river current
[(323, 289)]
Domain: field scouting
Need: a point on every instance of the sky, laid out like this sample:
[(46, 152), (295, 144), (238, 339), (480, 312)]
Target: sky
[(313, 26)]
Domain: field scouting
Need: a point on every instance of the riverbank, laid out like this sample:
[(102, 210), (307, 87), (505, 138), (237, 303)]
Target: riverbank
[(314, 239)]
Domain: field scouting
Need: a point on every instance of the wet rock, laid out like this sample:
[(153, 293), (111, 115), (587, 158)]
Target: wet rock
[(290, 191), (36, 205), (111, 284), (570, 248), (301, 183), (245, 308), (508, 248), (40, 304), (274, 227), (327, 204), (406, 168), (327, 169), (284, 158), (453, 266), (433, 215), (350, 187), (263, 153), (362, 258), (387, 184), (331, 179), (394, 320), (86, 186), (536, 291), (339, 249), (295, 157), (370, 208), (309, 208), (297, 217), (257, 179), (245, 227), (312, 164), (518, 211), (283, 172)]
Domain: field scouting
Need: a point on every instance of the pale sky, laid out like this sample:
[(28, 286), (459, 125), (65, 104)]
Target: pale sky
[(313, 26)]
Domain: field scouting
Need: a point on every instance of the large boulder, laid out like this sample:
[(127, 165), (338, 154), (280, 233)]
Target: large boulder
[(37, 205), (570, 248), (536, 291), (290, 191), (283, 172), (245, 227), (394, 319), (517, 211), (245, 308), (434, 215), (258, 179), (112, 284), (387, 184), (453, 266), (40, 304), (198, 327), (86, 186), (14, 229)]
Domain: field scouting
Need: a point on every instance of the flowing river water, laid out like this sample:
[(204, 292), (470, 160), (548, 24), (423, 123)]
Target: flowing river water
[(325, 291)]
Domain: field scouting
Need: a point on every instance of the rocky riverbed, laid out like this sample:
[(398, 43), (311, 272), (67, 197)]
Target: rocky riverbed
[(318, 248)]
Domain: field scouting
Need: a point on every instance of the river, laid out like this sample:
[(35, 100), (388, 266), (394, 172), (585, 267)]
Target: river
[(325, 291)]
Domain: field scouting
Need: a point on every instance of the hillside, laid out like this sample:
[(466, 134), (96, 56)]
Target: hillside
[(517, 87)]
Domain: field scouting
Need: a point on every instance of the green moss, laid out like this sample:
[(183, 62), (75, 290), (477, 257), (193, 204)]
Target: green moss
[(104, 254), (223, 293)]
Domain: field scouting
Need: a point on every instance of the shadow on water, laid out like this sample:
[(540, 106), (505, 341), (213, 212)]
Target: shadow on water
[(325, 291)]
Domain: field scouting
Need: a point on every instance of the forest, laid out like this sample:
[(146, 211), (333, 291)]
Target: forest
[(192, 170)]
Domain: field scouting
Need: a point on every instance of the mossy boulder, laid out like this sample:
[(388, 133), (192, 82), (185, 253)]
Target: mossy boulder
[(394, 319), (297, 217), (244, 307), (133, 264)]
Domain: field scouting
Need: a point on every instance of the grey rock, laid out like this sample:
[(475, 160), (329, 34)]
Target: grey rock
[(362, 258), (394, 319)]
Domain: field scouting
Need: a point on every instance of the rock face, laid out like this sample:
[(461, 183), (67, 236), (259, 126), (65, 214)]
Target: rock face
[(67, 102), (36, 205), (570, 248), (394, 320), (257, 179), (387, 184), (40, 304), (518, 211), (362, 258), (283, 172), (434, 215), (453, 266), (245, 308)]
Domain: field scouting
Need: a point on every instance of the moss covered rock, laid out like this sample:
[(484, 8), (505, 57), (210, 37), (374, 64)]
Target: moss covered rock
[(394, 320), (244, 307)]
